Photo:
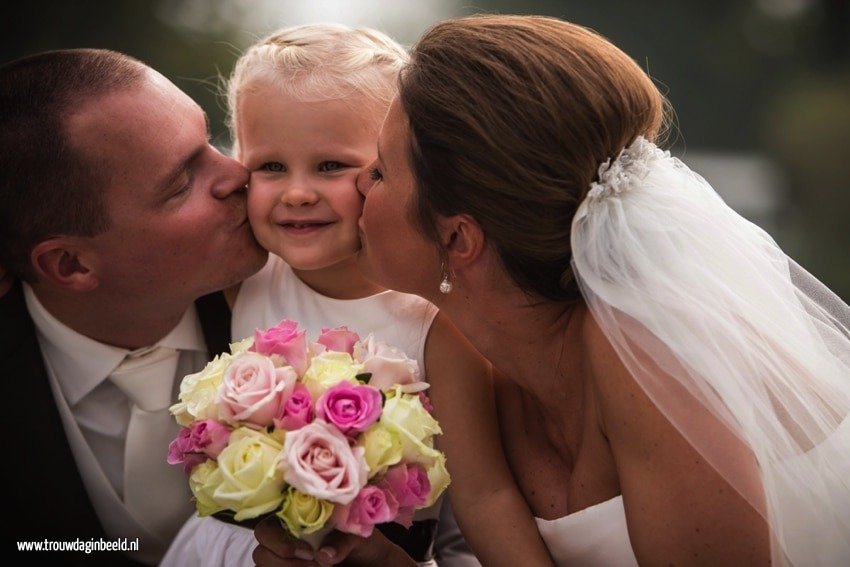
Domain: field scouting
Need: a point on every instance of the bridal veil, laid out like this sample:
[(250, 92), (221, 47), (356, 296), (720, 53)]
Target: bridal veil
[(735, 343)]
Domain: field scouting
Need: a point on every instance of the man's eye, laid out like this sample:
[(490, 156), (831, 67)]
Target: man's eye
[(327, 166), (375, 174), (274, 166)]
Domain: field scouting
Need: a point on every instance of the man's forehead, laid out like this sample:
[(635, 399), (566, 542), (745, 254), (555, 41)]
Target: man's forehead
[(148, 112)]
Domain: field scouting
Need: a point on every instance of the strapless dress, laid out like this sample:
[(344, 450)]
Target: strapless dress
[(594, 536)]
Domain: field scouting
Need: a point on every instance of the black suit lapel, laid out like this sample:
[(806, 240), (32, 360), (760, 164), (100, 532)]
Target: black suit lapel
[(215, 316), (49, 499), (48, 495)]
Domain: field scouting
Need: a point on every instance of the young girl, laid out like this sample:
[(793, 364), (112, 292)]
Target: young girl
[(306, 106)]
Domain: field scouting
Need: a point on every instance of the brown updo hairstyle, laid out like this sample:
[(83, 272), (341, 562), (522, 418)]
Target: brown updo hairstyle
[(510, 117)]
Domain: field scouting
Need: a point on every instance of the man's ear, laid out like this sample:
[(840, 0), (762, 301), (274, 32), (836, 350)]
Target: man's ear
[(462, 239), (65, 263)]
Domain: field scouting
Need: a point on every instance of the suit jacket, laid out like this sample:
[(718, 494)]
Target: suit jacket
[(49, 500)]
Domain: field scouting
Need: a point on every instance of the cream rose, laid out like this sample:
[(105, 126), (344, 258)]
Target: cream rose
[(203, 481), (328, 369), (405, 415), (198, 392), (439, 478), (382, 448), (241, 346), (303, 513), (251, 484)]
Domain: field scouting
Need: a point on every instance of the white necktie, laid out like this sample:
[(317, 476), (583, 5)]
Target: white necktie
[(156, 493)]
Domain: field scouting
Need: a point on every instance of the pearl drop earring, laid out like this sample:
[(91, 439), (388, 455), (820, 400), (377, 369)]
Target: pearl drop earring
[(446, 283)]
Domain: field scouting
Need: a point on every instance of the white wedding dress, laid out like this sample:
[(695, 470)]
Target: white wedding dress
[(594, 536)]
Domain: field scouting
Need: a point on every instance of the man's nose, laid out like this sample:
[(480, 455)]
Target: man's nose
[(231, 176)]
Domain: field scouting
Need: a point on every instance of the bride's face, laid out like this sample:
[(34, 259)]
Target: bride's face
[(394, 253)]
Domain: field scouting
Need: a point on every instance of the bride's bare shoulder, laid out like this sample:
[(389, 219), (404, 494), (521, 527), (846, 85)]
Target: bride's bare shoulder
[(596, 351), (602, 364)]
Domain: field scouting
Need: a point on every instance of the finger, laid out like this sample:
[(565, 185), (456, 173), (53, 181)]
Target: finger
[(264, 557), (337, 547), (271, 535)]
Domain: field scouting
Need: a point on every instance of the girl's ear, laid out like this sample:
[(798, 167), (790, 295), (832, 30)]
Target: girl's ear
[(65, 263)]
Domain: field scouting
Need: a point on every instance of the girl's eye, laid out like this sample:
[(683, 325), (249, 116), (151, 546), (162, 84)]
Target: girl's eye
[(327, 166), (375, 174), (273, 166)]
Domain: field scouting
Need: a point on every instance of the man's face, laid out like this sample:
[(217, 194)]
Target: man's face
[(176, 207)]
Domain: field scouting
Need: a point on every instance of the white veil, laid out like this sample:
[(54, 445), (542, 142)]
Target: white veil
[(728, 337)]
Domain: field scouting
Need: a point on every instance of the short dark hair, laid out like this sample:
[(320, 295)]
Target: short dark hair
[(510, 117), (47, 187)]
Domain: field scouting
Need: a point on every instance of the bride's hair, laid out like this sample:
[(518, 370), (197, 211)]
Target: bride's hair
[(510, 117)]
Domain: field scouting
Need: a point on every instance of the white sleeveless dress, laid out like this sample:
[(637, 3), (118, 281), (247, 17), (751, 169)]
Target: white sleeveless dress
[(595, 536), (275, 293), (271, 295)]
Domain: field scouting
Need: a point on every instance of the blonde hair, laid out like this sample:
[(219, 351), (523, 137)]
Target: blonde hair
[(316, 62)]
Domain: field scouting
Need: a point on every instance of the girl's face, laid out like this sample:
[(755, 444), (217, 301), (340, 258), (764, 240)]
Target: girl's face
[(304, 159), (394, 253)]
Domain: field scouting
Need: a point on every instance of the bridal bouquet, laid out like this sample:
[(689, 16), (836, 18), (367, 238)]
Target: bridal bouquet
[(331, 434)]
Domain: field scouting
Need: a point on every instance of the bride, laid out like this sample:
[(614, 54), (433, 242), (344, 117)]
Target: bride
[(673, 387)]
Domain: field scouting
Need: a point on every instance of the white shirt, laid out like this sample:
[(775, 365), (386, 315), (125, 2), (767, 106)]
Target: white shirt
[(95, 413)]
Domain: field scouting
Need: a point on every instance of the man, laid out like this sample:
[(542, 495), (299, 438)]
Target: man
[(116, 214)]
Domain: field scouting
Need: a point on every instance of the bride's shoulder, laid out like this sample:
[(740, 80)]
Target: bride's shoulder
[(601, 362), (594, 347)]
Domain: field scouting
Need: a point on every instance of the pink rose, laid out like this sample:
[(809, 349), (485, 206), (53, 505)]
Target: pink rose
[(389, 366), (286, 340), (426, 402), (352, 408), (318, 460), (339, 339), (372, 506), (410, 487), (252, 389), (200, 441), (296, 411)]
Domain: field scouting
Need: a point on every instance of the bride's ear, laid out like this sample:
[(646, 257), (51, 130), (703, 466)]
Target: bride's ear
[(462, 239)]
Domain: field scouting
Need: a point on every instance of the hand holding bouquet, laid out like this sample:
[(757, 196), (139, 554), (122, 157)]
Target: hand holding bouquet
[(332, 434)]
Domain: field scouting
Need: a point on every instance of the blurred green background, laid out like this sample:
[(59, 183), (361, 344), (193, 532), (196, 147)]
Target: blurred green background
[(761, 88)]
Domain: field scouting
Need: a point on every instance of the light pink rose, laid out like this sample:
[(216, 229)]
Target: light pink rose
[(252, 389), (389, 366), (410, 486), (339, 339), (352, 408), (372, 505), (285, 340), (296, 411), (200, 441), (318, 460)]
